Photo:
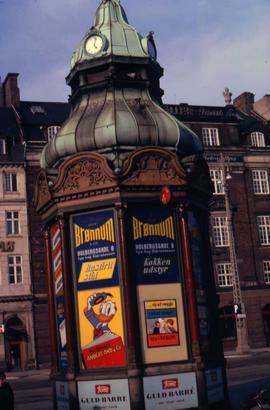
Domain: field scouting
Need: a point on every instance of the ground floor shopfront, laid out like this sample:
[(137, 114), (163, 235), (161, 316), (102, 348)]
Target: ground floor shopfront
[(257, 305), (17, 344)]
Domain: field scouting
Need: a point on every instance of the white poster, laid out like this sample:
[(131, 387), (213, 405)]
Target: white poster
[(104, 395), (61, 390), (170, 392), (215, 388)]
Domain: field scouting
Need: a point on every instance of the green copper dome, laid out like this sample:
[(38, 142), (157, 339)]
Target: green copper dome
[(119, 37), (116, 97)]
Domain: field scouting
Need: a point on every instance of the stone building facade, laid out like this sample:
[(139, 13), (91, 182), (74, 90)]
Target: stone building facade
[(25, 127), (239, 138), (17, 341)]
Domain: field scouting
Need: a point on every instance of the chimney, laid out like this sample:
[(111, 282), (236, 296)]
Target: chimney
[(244, 102), (1, 94), (11, 90)]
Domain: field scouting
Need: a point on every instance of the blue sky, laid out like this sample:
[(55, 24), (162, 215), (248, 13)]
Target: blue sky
[(203, 45)]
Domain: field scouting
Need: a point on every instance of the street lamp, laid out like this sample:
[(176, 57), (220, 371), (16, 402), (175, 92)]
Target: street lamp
[(239, 307)]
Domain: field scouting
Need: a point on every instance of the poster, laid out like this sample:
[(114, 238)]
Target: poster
[(56, 249), (198, 270), (62, 395), (104, 394), (170, 392), (101, 328), (152, 246), (162, 303), (196, 250), (99, 302), (95, 251), (161, 323), (215, 387)]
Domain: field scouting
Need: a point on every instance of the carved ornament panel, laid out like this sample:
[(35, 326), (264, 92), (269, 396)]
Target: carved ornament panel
[(154, 169), (84, 174)]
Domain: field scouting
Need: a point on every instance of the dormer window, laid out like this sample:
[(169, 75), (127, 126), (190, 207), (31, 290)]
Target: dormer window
[(257, 139), (52, 131), (210, 137), (2, 146), (37, 109)]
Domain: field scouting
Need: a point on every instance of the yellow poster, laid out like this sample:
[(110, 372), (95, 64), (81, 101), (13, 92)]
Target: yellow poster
[(101, 328)]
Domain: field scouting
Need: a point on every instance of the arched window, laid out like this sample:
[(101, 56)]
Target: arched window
[(15, 336), (51, 131), (227, 323), (15, 329)]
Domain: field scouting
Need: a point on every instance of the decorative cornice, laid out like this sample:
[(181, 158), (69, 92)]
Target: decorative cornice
[(16, 298), (81, 173), (153, 167), (145, 170)]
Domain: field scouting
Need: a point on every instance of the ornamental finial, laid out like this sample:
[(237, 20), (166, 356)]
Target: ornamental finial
[(227, 96)]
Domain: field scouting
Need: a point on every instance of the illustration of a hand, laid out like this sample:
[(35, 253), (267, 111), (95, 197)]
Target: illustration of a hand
[(96, 299)]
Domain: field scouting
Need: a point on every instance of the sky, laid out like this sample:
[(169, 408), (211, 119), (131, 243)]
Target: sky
[(203, 45)]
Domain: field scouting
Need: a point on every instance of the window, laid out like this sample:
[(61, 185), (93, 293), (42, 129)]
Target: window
[(15, 269), (266, 272), (217, 178), (2, 146), (220, 231), (10, 182), (264, 229), (51, 131), (37, 109), (257, 139), (12, 222), (224, 274), (210, 136), (260, 182)]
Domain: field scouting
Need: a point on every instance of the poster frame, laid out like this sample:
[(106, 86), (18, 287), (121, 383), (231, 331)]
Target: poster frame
[(179, 353), (63, 364), (168, 382), (75, 289), (178, 277), (105, 382)]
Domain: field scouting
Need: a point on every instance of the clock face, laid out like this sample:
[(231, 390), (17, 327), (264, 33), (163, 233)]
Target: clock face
[(94, 44)]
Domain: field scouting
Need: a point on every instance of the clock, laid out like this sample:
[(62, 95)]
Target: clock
[(94, 44)]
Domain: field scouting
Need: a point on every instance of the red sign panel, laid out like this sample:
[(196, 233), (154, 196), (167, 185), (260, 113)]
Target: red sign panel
[(103, 389)]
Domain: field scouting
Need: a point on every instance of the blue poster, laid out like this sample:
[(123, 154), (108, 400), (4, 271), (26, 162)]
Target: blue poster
[(153, 250), (198, 271), (95, 251)]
